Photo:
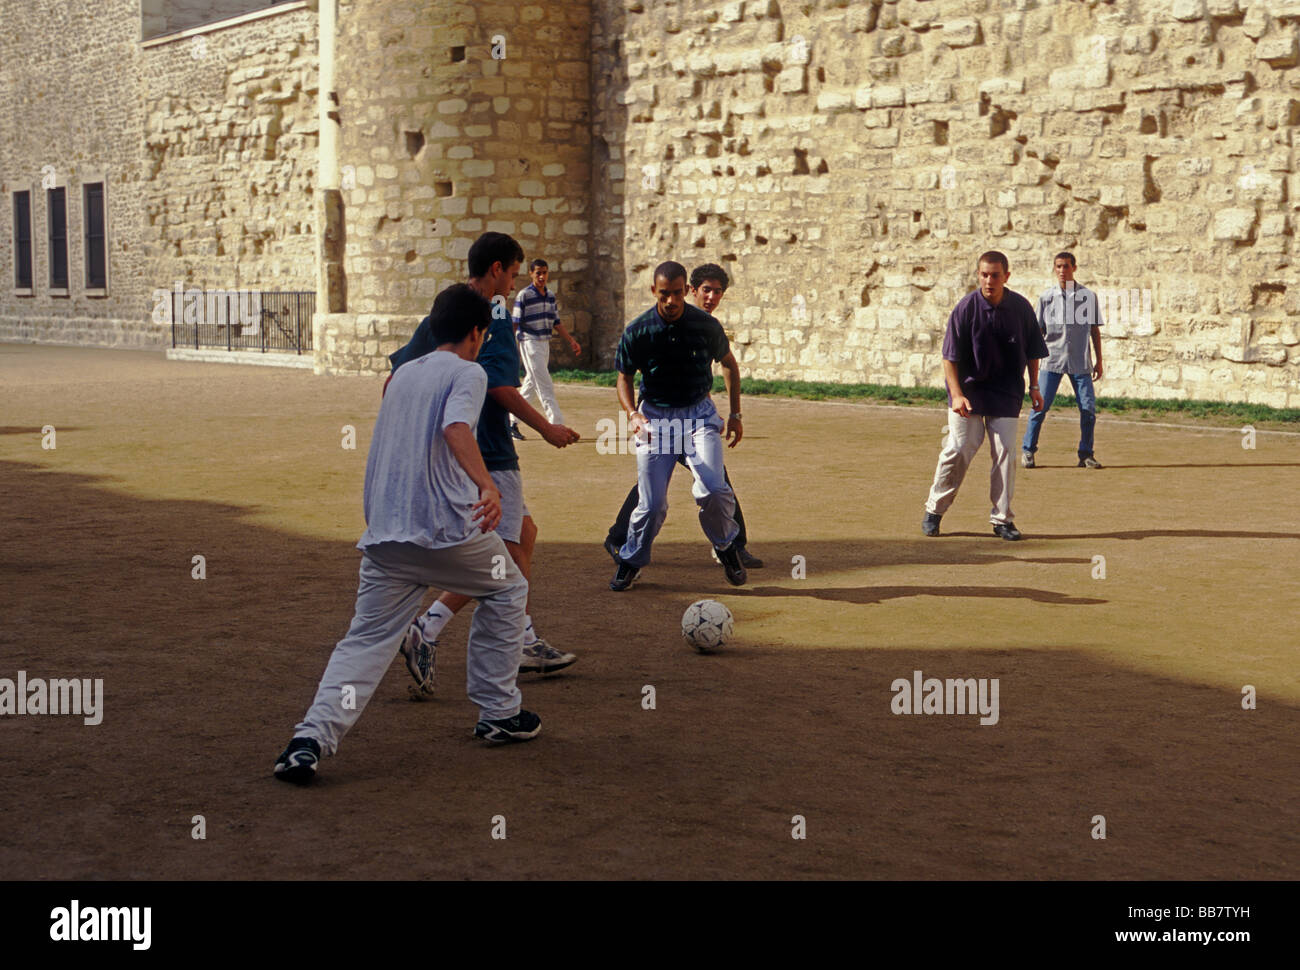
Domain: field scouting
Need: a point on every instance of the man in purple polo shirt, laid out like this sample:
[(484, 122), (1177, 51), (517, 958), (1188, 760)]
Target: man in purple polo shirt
[(992, 338)]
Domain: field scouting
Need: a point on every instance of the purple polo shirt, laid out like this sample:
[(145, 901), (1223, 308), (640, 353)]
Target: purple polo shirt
[(991, 346)]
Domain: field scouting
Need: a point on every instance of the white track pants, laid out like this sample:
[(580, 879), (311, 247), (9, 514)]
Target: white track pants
[(536, 355), (965, 435), (394, 578)]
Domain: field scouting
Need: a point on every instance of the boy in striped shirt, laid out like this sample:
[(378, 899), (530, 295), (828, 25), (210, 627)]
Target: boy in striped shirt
[(536, 317)]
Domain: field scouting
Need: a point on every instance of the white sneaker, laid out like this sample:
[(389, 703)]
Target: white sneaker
[(542, 658), (419, 653)]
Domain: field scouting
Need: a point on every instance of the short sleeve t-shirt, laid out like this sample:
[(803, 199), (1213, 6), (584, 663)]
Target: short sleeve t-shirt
[(1066, 318), (991, 345), (416, 491), (675, 359), (499, 359)]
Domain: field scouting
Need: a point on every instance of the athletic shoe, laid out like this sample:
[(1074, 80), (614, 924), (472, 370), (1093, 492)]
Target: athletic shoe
[(624, 577), (297, 763), (747, 558), (1027, 459), (521, 727), (732, 565), (418, 651), (516, 433), (930, 524), (1006, 530), (542, 658), (1089, 462), (612, 550)]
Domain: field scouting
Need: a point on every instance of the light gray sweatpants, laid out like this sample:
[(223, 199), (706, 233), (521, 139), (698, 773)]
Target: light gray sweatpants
[(965, 435), (394, 578)]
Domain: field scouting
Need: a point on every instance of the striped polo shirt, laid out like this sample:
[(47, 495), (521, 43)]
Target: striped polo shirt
[(535, 313)]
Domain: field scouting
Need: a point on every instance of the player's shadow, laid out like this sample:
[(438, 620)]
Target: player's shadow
[(1222, 464), (1137, 534), (869, 595)]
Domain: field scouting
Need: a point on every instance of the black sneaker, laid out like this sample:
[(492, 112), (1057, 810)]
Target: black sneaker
[(1006, 531), (732, 566), (1026, 459), (612, 550), (297, 763), (749, 560), (624, 577), (522, 727), (1089, 462), (930, 524), (516, 433)]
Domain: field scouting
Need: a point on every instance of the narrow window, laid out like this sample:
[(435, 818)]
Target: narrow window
[(23, 240), (96, 269), (57, 210)]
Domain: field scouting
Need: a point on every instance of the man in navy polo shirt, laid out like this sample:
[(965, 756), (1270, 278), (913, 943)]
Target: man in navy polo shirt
[(992, 338), (674, 345)]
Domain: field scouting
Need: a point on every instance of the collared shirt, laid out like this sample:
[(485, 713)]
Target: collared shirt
[(675, 359), (535, 313), (416, 491), (991, 345), (1066, 318)]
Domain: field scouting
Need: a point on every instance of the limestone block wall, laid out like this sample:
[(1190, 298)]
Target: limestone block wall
[(230, 139), (848, 161), (70, 114), (456, 118)]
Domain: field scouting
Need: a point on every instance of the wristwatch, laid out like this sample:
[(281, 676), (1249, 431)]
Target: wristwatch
[(736, 415)]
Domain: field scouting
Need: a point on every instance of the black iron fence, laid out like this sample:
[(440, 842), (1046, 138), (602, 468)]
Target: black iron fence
[(268, 321)]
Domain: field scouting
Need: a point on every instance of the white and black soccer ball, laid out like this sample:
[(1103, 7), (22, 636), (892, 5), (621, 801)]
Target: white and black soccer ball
[(707, 625)]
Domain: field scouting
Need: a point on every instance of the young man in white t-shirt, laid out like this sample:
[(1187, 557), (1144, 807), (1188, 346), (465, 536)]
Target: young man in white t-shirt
[(431, 510)]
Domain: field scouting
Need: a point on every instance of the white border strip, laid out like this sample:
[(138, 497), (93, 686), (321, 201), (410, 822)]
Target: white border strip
[(242, 18)]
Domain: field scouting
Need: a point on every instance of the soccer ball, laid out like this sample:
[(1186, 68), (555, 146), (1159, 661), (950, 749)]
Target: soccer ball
[(706, 625)]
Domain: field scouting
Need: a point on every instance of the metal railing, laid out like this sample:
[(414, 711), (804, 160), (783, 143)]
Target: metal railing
[(255, 320)]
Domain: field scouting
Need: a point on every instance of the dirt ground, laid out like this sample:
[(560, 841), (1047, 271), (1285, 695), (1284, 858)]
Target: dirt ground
[(1119, 697)]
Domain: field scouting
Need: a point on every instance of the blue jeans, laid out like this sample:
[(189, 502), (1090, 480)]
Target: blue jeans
[(1048, 382), (694, 431)]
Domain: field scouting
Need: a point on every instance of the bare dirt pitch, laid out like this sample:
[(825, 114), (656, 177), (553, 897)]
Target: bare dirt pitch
[(1119, 697)]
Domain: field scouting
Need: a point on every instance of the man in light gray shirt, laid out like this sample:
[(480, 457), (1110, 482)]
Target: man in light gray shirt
[(431, 513), (1070, 318)]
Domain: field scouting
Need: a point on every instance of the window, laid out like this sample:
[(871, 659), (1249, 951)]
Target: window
[(57, 213), (23, 240), (96, 266)]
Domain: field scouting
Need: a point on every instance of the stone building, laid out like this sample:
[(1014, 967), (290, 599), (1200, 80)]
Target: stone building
[(846, 161)]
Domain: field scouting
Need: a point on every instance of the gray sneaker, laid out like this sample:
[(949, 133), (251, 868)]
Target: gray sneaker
[(1089, 462), (542, 658), (1026, 459), (419, 652)]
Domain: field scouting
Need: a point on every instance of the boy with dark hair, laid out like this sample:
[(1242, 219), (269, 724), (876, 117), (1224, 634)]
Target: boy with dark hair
[(673, 346), (992, 337), (709, 282), (536, 316), (1069, 317), (494, 261), (431, 508)]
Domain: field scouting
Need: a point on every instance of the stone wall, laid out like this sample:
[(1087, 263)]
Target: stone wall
[(230, 138), (70, 114), (456, 119), (848, 161)]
